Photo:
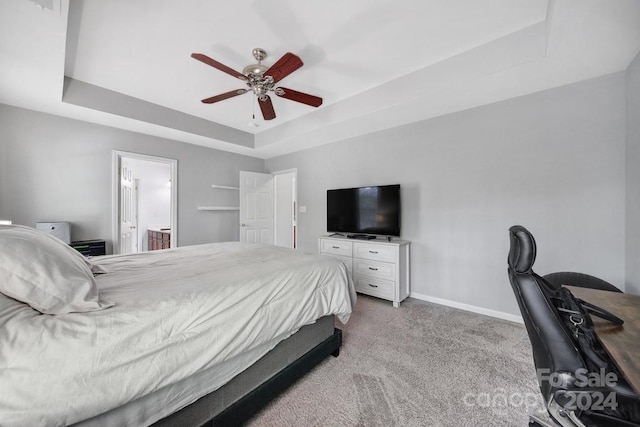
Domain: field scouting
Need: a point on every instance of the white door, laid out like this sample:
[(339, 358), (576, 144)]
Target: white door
[(126, 218), (256, 208)]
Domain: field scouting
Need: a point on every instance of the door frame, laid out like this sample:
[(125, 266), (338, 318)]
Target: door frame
[(136, 203), (116, 158)]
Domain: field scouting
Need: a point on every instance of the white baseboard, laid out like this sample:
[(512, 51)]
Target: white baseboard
[(468, 307)]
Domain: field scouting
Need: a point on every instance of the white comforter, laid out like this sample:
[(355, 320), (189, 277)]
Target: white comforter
[(177, 312)]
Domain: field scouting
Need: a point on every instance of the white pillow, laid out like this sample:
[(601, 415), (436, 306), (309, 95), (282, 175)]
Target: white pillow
[(36, 269), (95, 269)]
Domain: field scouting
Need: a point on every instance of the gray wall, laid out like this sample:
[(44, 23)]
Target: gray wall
[(58, 169), (552, 161), (633, 178)]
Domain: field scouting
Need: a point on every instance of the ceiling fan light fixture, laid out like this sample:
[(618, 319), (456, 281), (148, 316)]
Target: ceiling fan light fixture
[(260, 84)]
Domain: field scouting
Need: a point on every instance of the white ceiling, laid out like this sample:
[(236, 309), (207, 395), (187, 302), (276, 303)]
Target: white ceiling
[(377, 64)]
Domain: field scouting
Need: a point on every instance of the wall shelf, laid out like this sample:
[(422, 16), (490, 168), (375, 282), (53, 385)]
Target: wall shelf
[(218, 208), (225, 187), (221, 208)]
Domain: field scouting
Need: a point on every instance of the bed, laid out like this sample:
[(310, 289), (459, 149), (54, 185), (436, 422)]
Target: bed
[(175, 337)]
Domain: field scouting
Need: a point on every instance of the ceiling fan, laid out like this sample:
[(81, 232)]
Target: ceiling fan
[(262, 80)]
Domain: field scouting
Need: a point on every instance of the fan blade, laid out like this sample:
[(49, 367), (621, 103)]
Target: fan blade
[(284, 66), (294, 95), (224, 96), (267, 108), (215, 64)]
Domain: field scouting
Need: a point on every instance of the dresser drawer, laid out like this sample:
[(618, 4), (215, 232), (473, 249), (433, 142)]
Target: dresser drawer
[(336, 247), (375, 287), (375, 252), (382, 270), (378, 267)]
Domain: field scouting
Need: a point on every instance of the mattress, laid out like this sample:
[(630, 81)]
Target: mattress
[(251, 383), (210, 308)]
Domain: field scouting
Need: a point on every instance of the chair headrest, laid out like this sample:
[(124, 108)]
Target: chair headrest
[(522, 253)]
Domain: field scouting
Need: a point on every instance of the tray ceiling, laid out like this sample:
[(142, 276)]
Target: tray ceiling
[(377, 64)]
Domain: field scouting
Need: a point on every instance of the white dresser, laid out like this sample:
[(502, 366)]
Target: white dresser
[(378, 267)]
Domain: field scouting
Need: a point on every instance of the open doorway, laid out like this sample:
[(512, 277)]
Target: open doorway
[(285, 202), (268, 208), (144, 215)]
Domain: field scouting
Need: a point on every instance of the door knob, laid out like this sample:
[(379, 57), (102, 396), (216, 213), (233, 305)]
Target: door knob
[(132, 227), (243, 225)]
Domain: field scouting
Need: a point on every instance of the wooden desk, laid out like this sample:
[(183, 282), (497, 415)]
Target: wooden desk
[(622, 342)]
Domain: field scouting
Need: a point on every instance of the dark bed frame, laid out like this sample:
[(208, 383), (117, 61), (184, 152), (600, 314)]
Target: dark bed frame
[(233, 405)]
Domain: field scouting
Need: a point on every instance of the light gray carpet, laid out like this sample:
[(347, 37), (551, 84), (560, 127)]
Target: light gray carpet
[(419, 365)]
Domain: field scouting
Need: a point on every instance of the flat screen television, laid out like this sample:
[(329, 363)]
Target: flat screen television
[(365, 210)]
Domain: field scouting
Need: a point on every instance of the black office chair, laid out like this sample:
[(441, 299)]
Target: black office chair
[(556, 354)]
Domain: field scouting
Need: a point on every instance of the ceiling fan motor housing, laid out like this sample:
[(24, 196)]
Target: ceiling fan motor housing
[(258, 68)]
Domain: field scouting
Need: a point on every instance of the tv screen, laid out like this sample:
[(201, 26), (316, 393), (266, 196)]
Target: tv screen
[(364, 210)]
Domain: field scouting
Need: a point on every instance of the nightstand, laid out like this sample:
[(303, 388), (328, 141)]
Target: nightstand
[(90, 247)]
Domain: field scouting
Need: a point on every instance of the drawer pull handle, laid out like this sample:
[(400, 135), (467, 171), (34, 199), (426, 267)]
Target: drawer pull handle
[(335, 247), (373, 252), (373, 286), (373, 268)]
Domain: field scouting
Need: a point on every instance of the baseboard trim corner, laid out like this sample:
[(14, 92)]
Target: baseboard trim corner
[(468, 307)]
